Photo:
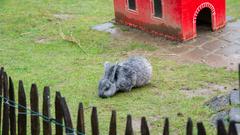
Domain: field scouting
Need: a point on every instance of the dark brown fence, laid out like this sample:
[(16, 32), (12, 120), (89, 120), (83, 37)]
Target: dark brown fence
[(12, 124)]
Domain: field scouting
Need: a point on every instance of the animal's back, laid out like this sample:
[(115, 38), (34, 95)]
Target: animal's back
[(142, 67)]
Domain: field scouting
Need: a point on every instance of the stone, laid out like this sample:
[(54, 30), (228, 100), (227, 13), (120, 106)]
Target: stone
[(235, 97), (234, 114), (103, 27), (218, 103), (234, 25), (230, 19), (223, 115), (238, 128)]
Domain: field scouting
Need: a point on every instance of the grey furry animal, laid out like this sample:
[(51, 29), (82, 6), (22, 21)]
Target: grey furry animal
[(133, 72)]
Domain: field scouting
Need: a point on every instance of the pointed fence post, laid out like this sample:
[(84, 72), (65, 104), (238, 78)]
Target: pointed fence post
[(201, 128), (239, 77), (189, 127), (12, 108), (232, 129), (221, 128), (144, 127), (58, 113), (129, 128), (67, 118), (5, 123), (1, 93), (113, 124), (47, 129), (94, 122), (166, 127), (34, 101), (22, 112), (80, 120)]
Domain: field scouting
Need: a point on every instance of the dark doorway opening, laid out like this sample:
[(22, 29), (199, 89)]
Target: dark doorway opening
[(158, 8), (132, 4), (204, 20)]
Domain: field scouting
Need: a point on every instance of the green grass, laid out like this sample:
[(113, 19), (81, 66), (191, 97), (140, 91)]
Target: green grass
[(233, 8), (139, 46), (64, 67)]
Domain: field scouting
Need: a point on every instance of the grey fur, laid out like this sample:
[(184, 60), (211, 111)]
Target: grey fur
[(134, 72)]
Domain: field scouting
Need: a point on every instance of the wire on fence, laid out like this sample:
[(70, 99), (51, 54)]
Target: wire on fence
[(33, 113)]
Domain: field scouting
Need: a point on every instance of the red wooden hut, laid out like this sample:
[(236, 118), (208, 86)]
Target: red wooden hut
[(174, 19)]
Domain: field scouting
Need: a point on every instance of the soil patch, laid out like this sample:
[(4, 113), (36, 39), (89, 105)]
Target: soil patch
[(44, 40), (209, 90), (63, 17)]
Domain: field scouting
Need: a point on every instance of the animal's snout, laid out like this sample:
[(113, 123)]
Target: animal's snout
[(102, 95)]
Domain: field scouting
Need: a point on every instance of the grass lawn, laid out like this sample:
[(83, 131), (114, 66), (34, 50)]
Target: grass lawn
[(233, 8), (33, 50)]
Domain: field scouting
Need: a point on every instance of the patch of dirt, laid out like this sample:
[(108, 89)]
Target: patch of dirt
[(209, 90), (198, 92), (136, 123), (43, 40), (63, 17), (150, 120)]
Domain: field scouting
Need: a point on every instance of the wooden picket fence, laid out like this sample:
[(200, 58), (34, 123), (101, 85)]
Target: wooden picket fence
[(13, 124)]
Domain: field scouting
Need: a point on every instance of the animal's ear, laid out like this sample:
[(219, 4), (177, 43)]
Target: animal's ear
[(114, 73), (108, 69), (107, 65)]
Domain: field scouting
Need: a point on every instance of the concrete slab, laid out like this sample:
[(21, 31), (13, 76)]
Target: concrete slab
[(233, 49), (232, 37), (216, 49), (195, 55), (215, 60), (215, 45), (180, 49)]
